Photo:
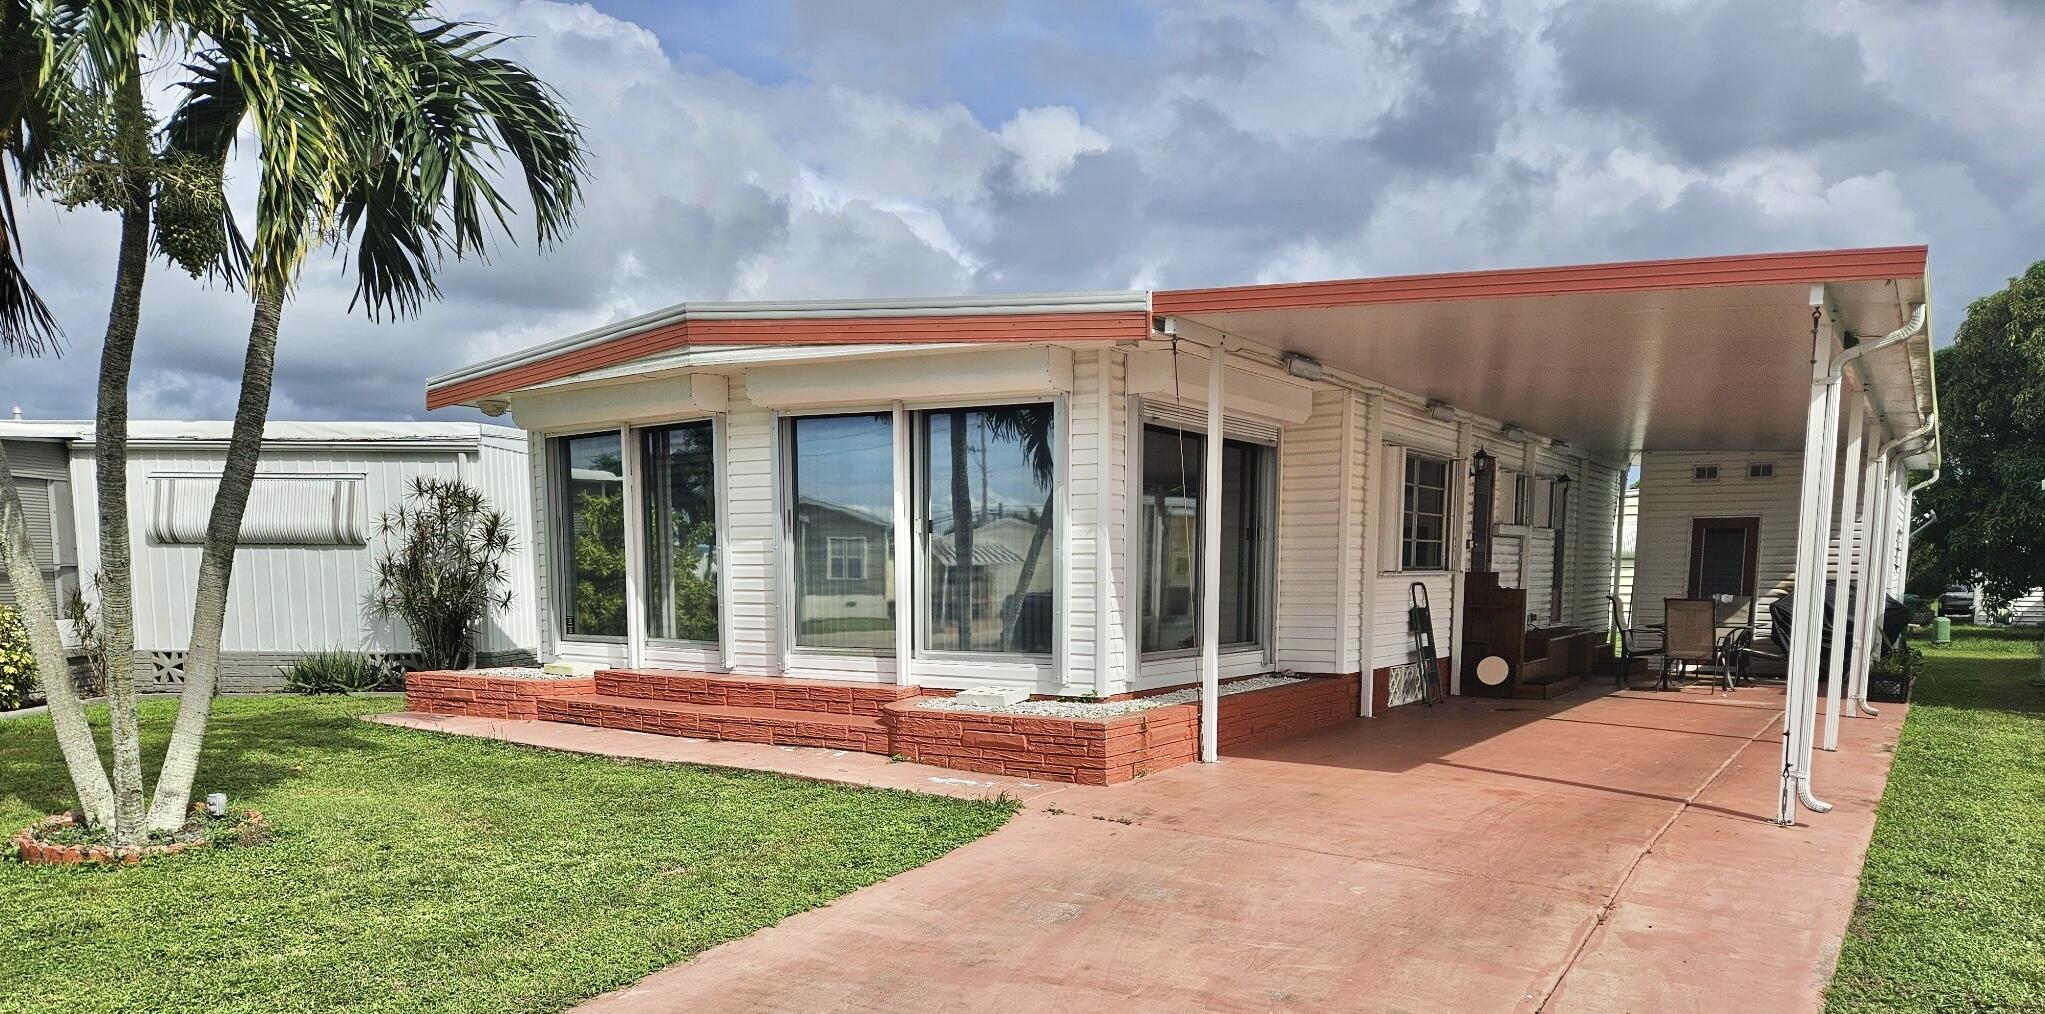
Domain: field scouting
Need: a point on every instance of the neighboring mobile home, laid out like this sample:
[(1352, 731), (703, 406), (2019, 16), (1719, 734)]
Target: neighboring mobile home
[(1167, 489), (302, 575)]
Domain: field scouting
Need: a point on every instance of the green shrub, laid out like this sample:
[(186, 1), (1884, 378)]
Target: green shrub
[(339, 672), (17, 661), (440, 568)]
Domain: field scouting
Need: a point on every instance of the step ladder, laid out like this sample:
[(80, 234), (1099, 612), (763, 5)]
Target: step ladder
[(1420, 623)]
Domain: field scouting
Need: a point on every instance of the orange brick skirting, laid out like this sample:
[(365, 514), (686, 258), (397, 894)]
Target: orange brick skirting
[(885, 719), (460, 693), (1104, 751)]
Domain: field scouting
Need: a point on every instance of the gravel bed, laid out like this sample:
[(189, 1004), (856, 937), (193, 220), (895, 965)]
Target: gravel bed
[(517, 672), (1106, 709)]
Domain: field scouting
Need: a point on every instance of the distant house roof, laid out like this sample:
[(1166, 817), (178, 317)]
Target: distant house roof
[(149, 432)]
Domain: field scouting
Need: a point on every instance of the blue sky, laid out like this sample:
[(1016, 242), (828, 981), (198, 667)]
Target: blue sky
[(805, 148)]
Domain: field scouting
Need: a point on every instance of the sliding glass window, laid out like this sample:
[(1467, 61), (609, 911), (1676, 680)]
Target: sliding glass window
[(1173, 461), (842, 497), (588, 533), (678, 476), (988, 509)]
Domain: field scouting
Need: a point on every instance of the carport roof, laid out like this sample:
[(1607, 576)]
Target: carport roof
[(1694, 354)]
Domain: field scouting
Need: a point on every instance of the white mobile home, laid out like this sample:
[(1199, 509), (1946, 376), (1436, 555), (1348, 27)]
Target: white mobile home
[(302, 575), (1167, 489)]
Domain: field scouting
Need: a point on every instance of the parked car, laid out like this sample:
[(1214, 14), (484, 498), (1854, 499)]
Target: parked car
[(1958, 600)]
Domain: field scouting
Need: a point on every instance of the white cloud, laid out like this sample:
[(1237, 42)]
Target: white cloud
[(1046, 141)]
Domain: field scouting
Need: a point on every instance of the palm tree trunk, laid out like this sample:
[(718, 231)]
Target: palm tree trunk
[(39, 615), (1029, 571), (961, 533), (216, 565), (116, 587)]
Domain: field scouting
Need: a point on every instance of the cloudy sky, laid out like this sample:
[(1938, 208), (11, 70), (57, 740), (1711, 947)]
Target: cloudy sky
[(819, 148)]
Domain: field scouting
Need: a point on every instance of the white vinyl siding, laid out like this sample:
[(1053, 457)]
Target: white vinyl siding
[(753, 533), (1670, 501), (1319, 493), (1098, 453)]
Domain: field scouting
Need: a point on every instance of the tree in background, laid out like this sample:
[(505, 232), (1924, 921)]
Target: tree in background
[(1985, 517)]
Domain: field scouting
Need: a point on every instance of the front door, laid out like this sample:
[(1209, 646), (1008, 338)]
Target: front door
[(1722, 554)]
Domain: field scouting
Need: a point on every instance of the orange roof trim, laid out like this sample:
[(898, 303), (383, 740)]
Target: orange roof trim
[(878, 330), (1629, 276)]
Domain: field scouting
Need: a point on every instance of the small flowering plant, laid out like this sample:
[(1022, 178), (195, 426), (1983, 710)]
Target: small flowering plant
[(17, 661)]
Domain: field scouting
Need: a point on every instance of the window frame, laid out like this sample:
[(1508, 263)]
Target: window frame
[(560, 536), (1407, 501), (1267, 556), (796, 655), (719, 504), (917, 416)]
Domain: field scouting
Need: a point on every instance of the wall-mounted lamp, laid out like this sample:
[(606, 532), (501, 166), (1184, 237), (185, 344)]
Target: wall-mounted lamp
[(1441, 410), (1480, 461), (493, 407), (1303, 366)]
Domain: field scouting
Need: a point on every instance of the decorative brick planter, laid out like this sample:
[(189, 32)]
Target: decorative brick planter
[(1105, 751), (38, 853), (482, 696)]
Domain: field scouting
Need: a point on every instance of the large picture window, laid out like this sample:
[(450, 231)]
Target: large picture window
[(842, 499), (1423, 516), (988, 482), (678, 473), (1173, 462), (589, 533)]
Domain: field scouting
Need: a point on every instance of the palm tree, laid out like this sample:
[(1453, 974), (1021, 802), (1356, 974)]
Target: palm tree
[(415, 115), (375, 121)]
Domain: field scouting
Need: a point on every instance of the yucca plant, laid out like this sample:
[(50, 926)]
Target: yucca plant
[(440, 568), (338, 672)]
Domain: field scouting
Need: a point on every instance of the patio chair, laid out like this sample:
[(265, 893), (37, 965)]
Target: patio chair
[(1737, 653), (1690, 639), (1630, 646)]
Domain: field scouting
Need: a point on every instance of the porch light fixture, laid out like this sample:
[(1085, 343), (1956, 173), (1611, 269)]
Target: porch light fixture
[(1480, 461), (1515, 434), (1441, 410), (1303, 366)]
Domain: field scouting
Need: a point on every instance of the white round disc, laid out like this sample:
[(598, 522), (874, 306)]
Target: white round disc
[(1493, 670)]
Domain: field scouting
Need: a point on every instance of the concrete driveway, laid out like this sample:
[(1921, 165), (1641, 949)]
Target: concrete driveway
[(1602, 852)]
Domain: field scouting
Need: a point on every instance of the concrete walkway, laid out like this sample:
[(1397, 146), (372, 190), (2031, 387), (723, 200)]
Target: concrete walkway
[(1602, 852)]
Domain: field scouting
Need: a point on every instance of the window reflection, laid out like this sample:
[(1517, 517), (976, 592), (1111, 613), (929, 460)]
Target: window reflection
[(988, 499), (842, 484)]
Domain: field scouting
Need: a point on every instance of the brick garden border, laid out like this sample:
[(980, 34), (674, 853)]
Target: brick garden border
[(40, 853)]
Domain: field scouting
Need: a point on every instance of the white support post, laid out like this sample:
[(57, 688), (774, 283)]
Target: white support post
[(1812, 514), (1367, 594), (1210, 566), (635, 552), (1880, 508), (1845, 550), (1457, 546), (904, 563), (1867, 604)]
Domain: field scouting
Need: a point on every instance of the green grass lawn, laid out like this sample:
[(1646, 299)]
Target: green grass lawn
[(1951, 914), (413, 871)]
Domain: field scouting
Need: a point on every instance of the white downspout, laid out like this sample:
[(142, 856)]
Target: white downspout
[(1210, 566)]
